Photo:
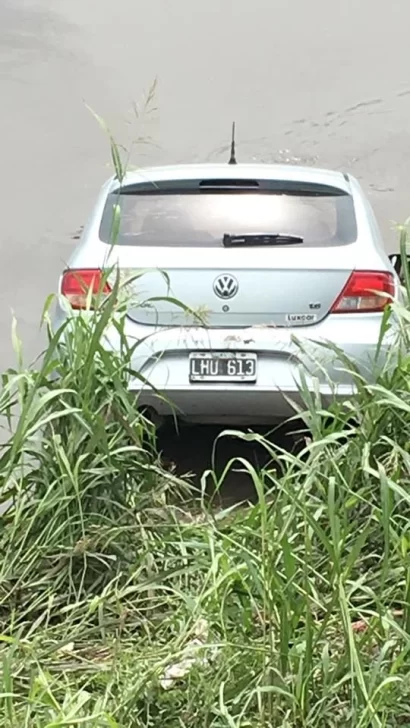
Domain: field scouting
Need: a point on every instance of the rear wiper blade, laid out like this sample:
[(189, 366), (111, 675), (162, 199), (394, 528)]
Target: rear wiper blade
[(231, 241)]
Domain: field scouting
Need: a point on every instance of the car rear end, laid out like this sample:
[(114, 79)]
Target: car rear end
[(248, 270)]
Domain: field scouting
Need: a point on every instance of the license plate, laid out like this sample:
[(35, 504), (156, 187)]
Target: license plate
[(222, 367)]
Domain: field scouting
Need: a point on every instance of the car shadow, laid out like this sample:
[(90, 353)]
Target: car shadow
[(195, 449)]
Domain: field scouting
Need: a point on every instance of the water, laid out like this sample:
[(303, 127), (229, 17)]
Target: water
[(313, 83), (307, 82)]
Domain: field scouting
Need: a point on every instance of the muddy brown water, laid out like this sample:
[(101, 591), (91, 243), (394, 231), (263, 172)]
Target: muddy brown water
[(307, 82)]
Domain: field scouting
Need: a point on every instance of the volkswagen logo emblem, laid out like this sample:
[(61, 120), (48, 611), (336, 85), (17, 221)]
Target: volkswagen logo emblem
[(226, 286)]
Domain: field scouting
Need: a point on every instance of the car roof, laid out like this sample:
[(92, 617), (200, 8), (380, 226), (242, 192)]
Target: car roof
[(283, 172)]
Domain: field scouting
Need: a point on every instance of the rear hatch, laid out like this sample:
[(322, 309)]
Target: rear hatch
[(234, 253)]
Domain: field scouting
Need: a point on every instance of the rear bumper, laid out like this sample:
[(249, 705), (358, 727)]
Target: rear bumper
[(289, 360), (242, 405), (286, 368), (281, 377)]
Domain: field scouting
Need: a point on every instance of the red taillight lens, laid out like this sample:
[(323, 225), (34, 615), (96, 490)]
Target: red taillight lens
[(77, 284), (365, 292)]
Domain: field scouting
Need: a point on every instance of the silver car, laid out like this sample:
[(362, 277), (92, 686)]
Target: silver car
[(269, 262)]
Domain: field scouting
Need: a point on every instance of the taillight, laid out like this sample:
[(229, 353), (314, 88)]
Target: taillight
[(80, 286), (365, 292)]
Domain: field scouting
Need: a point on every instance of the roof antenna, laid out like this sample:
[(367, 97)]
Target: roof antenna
[(232, 159)]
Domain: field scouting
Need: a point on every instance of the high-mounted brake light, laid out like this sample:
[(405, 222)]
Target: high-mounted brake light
[(76, 286), (365, 292)]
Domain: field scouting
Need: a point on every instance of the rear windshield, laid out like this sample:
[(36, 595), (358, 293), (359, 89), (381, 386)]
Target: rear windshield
[(202, 219)]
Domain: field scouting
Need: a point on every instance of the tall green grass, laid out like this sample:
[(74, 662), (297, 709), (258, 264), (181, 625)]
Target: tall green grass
[(125, 600)]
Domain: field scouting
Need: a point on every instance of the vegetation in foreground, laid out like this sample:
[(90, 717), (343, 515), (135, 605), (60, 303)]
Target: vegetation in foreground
[(126, 601)]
